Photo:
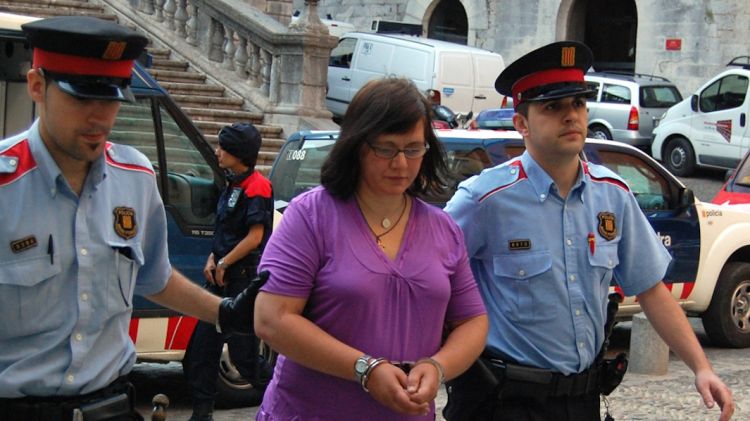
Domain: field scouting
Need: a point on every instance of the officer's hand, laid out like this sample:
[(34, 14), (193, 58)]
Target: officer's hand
[(236, 314), (713, 390), (387, 385), (208, 270), (423, 383), (219, 276)]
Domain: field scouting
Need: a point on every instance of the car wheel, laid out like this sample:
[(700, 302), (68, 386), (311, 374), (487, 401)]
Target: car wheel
[(679, 157), (600, 132), (233, 390), (727, 319)]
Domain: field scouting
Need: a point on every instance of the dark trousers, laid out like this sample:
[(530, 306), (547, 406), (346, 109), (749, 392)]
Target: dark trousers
[(204, 350), (564, 408)]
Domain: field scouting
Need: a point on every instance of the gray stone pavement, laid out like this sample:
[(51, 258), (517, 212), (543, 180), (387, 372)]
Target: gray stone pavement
[(639, 397)]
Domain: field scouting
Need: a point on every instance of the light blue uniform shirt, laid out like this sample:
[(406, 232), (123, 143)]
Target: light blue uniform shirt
[(544, 264), (69, 266)]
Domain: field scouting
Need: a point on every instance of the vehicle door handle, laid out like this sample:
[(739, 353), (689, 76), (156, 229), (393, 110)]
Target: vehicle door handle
[(742, 119), (346, 79), (480, 97)]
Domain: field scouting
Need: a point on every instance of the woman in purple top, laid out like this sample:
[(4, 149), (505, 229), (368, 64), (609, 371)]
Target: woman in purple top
[(365, 276)]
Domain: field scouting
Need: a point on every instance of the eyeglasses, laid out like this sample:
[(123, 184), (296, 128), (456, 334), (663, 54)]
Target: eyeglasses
[(390, 152)]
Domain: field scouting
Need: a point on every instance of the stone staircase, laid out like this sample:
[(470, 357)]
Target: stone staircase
[(207, 104)]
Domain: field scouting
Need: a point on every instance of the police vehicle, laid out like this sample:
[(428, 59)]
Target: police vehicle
[(187, 175), (709, 244)]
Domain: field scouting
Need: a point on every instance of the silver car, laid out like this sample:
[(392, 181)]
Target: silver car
[(627, 107)]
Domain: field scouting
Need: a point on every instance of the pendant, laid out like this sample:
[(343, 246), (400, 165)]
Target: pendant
[(385, 223)]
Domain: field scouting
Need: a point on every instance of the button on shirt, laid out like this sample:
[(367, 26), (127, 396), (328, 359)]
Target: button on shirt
[(544, 263), (69, 266)]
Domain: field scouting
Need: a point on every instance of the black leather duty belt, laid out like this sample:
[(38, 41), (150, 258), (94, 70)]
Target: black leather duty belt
[(521, 381), (116, 401)]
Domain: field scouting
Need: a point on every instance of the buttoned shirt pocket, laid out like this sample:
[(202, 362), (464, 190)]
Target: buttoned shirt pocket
[(603, 261), (25, 297), (524, 286), (128, 259)]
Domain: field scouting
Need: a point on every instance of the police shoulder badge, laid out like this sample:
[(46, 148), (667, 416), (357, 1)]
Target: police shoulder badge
[(607, 225), (125, 225)]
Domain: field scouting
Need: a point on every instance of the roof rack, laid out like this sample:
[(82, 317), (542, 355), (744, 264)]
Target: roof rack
[(633, 74), (737, 62)]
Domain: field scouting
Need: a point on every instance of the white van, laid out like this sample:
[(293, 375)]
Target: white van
[(709, 129), (460, 77)]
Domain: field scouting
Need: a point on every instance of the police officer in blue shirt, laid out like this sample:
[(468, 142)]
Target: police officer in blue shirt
[(83, 229), (244, 220), (546, 233)]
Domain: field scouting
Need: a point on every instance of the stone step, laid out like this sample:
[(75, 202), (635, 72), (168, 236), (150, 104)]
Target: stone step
[(209, 102), (159, 52), (213, 127), (169, 64), (175, 76), (45, 10), (269, 144), (180, 88), (224, 115)]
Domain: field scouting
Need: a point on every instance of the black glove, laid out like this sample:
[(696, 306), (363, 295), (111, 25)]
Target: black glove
[(236, 314)]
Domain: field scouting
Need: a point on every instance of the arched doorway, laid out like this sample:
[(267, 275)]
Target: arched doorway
[(449, 22), (611, 28)]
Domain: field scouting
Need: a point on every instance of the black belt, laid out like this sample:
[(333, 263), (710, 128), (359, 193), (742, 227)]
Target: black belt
[(518, 380), (116, 401)]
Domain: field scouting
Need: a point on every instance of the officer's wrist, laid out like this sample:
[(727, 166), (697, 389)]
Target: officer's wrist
[(222, 264)]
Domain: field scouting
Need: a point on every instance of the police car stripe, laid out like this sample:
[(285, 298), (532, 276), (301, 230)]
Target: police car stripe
[(25, 161)]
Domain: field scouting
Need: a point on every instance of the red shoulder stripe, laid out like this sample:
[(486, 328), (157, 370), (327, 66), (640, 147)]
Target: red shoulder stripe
[(608, 180), (131, 167), (26, 161), (521, 177), (257, 185)]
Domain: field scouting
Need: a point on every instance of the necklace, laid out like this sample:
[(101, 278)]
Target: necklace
[(385, 223)]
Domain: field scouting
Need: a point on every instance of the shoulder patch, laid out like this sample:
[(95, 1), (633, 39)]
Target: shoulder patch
[(257, 185), (602, 174), (16, 161), (127, 158), (503, 177)]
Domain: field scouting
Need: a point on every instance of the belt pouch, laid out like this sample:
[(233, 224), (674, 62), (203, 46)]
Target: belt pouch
[(105, 409)]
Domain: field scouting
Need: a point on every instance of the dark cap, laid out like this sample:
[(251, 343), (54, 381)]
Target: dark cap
[(550, 72), (88, 57), (241, 140)]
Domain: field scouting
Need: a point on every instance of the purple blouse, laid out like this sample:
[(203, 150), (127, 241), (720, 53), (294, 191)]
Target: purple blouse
[(323, 251)]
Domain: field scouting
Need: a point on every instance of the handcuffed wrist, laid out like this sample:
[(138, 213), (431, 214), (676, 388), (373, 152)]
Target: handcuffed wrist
[(436, 364), (366, 376)]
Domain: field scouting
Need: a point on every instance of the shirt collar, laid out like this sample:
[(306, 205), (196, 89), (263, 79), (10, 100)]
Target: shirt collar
[(543, 184)]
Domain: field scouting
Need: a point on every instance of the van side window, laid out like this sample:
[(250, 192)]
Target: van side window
[(341, 55), (616, 94), (727, 92)]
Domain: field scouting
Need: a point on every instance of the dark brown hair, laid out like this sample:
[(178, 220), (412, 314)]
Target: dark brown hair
[(390, 105)]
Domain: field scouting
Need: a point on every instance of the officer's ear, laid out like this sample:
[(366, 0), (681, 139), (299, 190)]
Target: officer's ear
[(521, 123), (36, 84)]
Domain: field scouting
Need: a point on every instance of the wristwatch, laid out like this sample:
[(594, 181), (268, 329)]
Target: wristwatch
[(360, 366), (221, 264)]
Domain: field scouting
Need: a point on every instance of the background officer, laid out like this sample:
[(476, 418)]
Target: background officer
[(244, 220), (546, 233), (83, 229)]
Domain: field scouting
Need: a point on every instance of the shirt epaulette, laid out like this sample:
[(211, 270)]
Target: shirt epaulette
[(602, 174), (127, 158), (257, 185), (502, 177), (16, 161)]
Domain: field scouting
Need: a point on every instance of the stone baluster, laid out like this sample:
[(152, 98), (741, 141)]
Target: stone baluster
[(254, 66), (159, 10), (192, 25), (229, 49), (240, 57), (146, 6), (265, 71), (215, 48), (180, 19), (169, 9)]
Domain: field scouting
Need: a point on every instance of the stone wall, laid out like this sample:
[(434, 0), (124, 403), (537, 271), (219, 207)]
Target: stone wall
[(712, 32)]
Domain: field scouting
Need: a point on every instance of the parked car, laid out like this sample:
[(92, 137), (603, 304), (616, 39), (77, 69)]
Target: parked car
[(736, 190), (626, 106), (691, 230), (460, 77), (709, 129), (495, 119), (187, 175)]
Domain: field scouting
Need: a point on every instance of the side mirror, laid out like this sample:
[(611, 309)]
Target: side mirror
[(694, 102), (728, 175), (686, 199)]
